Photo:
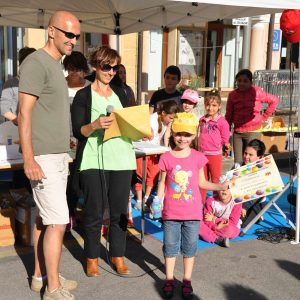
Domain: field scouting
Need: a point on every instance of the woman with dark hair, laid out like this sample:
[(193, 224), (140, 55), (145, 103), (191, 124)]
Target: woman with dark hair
[(244, 111), (103, 167), (76, 61), (77, 67)]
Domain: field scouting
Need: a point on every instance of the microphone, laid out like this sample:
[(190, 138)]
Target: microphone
[(109, 110)]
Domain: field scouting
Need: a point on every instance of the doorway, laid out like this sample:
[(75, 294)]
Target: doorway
[(220, 56)]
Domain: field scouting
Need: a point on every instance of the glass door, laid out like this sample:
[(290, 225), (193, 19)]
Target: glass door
[(220, 56), (228, 56), (191, 52)]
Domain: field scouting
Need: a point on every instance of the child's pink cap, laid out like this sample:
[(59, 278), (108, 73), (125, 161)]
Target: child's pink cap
[(190, 95)]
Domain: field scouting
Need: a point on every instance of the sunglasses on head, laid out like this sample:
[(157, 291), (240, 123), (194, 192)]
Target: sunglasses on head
[(108, 67), (69, 35)]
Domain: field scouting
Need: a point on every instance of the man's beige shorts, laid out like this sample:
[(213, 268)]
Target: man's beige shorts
[(50, 193)]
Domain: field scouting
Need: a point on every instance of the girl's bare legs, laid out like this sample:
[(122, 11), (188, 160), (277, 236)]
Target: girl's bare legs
[(139, 195), (148, 191), (188, 264), (170, 265)]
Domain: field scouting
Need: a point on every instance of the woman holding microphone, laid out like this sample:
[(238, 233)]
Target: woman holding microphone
[(103, 169)]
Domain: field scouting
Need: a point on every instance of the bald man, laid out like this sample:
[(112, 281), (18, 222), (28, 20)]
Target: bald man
[(44, 136)]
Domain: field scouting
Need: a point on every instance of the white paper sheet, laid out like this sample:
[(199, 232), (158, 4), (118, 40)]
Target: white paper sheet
[(148, 148)]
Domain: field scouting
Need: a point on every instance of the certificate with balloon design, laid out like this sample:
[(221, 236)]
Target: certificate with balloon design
[(255, 180)]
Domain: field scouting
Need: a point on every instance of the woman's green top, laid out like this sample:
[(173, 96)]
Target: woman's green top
[(114, 154)]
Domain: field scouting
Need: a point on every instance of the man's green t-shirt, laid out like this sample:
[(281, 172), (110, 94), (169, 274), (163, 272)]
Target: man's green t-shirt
[(41, 75), (115, 154)]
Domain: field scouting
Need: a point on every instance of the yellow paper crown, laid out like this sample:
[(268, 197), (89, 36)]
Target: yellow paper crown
[(185, 122)]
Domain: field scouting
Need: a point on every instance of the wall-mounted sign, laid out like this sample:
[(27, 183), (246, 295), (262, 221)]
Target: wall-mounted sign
[(276, 40), (240, 21)]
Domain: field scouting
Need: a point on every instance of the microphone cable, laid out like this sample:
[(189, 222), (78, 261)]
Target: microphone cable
[(276, 234), (106, 205)]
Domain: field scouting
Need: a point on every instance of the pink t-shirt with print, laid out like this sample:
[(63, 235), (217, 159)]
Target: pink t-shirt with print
[(182, 195)]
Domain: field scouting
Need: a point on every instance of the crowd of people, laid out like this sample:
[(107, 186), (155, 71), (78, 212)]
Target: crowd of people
[(49, 108)]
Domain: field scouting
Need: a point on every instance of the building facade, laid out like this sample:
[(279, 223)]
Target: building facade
[(206, 53)]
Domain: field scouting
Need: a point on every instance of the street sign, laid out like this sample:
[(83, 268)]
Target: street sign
[(276, 40), (240, 21)]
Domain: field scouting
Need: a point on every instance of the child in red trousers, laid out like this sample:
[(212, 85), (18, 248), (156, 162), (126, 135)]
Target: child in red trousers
[(214, 134)]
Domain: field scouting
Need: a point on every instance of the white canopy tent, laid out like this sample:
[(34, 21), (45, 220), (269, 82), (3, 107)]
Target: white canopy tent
[(125, 16)]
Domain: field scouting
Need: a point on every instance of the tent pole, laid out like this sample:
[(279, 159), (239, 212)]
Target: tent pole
[(139, 68), (270, 42), (237, 49), (298, 165), (118, 43), (246, 44)]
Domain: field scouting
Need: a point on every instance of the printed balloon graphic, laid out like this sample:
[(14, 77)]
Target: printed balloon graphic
[(238, 200), (259, 192)]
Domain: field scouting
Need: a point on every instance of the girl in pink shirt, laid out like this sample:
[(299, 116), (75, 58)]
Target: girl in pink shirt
[(214, 133), (221, 218), (180, 178), (244, 111)]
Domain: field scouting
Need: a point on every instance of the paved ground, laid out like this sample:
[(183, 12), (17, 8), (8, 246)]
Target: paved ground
[(250, 269)]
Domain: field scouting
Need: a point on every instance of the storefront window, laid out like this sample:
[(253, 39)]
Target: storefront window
[(190, 56), (92, 40), (155, 59)]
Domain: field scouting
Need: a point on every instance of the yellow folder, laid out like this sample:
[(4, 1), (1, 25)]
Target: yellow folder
[(132, 122)]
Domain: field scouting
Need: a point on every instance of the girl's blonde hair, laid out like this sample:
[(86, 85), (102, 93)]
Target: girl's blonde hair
[(213, 95)]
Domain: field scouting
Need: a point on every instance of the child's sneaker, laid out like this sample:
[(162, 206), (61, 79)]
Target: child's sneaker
[(223, 242), (168, 289), (186, 289)]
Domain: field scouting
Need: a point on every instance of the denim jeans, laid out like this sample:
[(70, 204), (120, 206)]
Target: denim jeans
[(180, 237)]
